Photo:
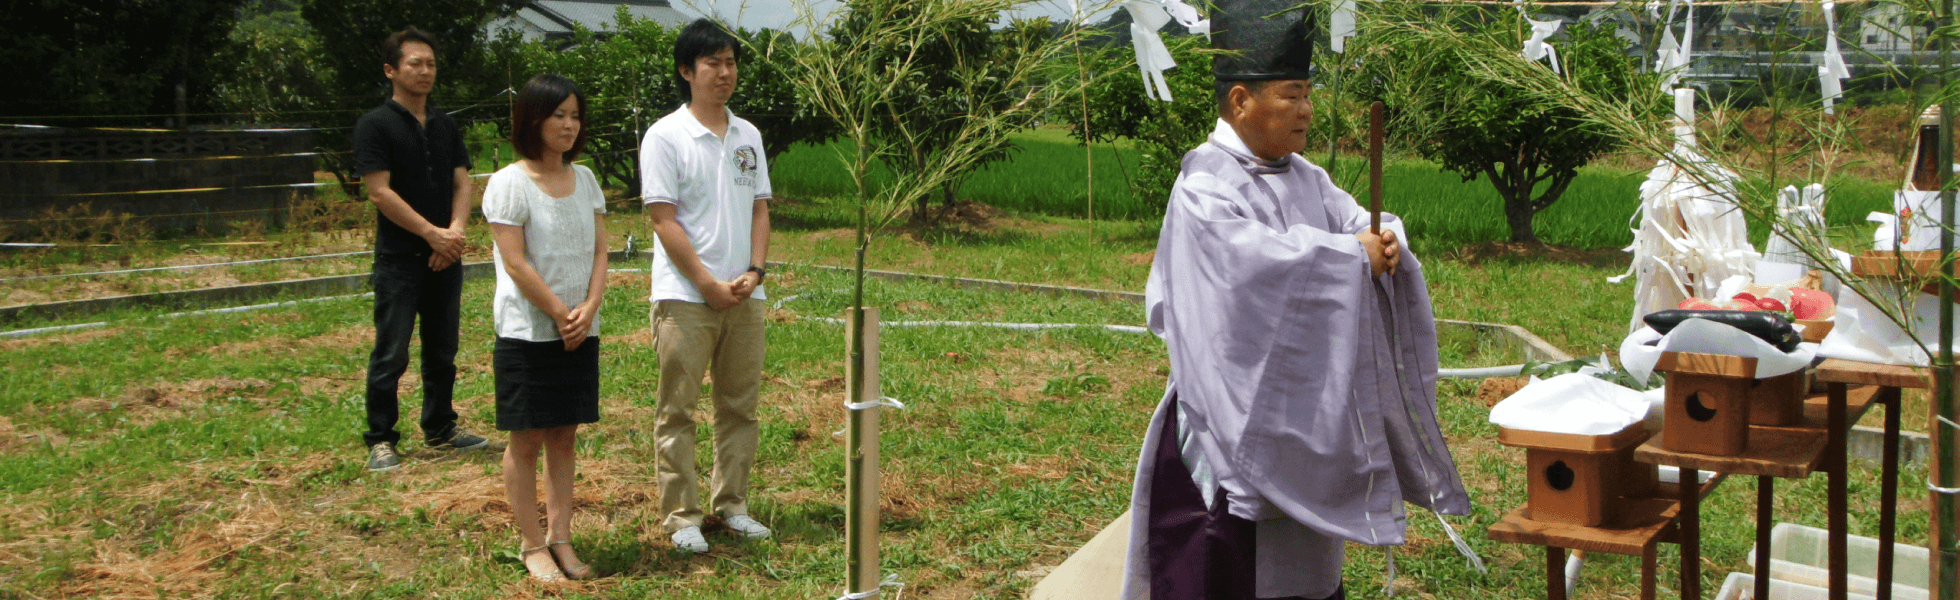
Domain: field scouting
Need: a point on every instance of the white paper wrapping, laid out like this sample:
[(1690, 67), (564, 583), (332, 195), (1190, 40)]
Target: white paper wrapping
[(1864, 334), (1918, 224), (1886, 237), (1675, 56), (1801, 216), (1340, 27), (1153, 58), (1832, 73), (1537, 48), (1708, 337), (1690, 237), (1573, 403), (1656, 406)]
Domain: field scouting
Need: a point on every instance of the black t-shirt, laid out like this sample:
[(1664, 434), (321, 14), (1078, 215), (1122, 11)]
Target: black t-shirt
[(420, 159)]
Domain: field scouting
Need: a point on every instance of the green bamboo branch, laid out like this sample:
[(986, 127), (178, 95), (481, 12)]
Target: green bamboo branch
[(1751, 190)]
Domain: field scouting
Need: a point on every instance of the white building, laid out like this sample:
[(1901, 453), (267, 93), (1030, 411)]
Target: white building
[(553, 19), (1885, 28)]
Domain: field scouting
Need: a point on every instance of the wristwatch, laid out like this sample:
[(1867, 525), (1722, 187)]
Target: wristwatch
[(759, 274)]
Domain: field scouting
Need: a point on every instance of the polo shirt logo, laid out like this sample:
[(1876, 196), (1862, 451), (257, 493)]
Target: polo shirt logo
[(745, 164)]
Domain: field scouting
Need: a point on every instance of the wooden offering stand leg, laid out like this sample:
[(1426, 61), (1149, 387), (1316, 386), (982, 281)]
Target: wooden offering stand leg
[(1648, 566), (1888, 493), (1765, 520), (1554, 573), (1837, 504), (1691, 534)]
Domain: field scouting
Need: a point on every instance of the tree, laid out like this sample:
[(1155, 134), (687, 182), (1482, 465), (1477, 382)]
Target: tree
[(109, 62), (349, 33), (277, 74), (769, 97), (1118, 108), (861, 82), (1529, 147), (963, 68), (628, 77)]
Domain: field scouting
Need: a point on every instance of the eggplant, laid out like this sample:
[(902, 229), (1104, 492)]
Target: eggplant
[(1766, 326)]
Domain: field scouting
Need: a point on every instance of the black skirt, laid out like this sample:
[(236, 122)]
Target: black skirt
[(540, 385)]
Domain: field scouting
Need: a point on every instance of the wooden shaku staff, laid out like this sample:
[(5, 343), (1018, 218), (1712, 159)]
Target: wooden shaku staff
[(1375, 168)]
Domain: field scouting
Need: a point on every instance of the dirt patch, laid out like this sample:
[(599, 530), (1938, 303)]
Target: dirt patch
[(16, 437), (60, 339), (633, 280), (1496, 389), (120, 570), (1533, 252), (956, 590), (967, 214), (638, 337), (833, 234), (147, 404), (341, 340), (1141, 259), (603, 486), (330, 386)]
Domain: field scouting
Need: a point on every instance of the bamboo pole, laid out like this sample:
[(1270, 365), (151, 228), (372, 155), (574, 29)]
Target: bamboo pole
[(1945, 541), (1088, 140), (861, 464), (1375, 168)]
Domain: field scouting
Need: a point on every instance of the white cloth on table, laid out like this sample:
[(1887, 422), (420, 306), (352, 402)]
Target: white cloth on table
[(1574, 403), (1640, 351), (1863, 332)]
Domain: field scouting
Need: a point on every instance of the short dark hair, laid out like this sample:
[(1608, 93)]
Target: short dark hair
[(1223, 90), (535, 103), (391, 48), (703, 37)]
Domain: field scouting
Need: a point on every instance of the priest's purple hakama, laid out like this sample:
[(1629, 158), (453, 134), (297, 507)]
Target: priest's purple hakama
[(1301, 387)]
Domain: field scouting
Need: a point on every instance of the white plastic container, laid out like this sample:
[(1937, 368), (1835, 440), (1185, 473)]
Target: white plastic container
[(1742, 586), (1801, 554)]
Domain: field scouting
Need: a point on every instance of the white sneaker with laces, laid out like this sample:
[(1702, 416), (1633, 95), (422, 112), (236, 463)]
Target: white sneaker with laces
[(689, 540), (747, 527)]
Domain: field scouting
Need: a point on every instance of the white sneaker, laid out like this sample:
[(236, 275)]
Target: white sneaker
[(689, 540), (747, 527)]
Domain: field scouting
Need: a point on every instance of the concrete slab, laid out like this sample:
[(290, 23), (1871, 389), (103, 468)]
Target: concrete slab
[(1094, 572)]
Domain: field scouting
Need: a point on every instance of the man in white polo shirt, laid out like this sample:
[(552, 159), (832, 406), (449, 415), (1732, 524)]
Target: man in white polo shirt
[(706, 187)]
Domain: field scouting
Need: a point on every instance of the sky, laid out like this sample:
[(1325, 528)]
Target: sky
[(778, 14)]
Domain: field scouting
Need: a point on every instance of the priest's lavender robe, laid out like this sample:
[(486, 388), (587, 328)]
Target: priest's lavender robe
[(1306, 387)]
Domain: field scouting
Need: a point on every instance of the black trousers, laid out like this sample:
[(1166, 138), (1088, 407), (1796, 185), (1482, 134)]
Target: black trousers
[(405, 288), (1198, 552)]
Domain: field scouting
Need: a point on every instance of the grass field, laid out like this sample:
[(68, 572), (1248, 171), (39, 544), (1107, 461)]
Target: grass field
[(1047, 175), (221, 458), (218, 455)]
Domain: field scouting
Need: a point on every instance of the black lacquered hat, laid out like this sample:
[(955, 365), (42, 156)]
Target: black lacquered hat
[(1266, 40)]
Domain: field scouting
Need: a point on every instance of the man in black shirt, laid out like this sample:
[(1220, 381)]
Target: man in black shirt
[(417, 174)]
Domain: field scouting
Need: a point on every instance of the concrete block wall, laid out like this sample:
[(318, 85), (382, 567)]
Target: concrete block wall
[(176, 180)]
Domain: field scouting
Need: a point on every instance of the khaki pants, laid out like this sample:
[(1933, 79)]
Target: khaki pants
[(691, 339)]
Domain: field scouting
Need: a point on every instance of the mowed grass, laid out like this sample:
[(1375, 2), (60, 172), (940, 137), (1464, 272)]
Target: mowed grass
[(218, 455)]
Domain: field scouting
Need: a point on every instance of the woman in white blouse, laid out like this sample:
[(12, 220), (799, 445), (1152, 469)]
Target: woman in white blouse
[(548, 217)]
